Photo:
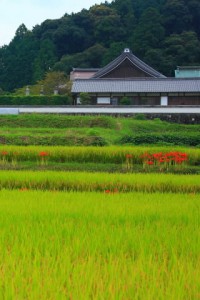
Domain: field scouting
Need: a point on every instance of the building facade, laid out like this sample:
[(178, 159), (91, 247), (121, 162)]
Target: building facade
[(187, 72), (128, 80)]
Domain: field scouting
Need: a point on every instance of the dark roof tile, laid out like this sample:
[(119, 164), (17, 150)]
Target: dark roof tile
[(127, 54), (150, 85)]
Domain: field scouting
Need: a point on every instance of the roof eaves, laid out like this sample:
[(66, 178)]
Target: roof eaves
[(134, 60)]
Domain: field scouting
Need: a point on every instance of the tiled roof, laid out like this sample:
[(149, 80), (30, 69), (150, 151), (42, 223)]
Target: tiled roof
[(134, 60), (150, 85)]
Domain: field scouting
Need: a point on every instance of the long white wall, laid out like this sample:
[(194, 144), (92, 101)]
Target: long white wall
[(113, 110)]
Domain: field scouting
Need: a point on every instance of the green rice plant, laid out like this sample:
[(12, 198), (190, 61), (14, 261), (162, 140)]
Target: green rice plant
[(58, 245), (110, 154), (4, 158), (43, 158), (102, 182)]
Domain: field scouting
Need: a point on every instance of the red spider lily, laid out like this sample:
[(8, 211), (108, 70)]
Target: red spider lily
[(157, 155), (173, 156), (107, 191), (145, 155), (183, 156), (179, 160), (167, 160), (43, 154), (129, 156), (4, 153), (162, 160), (149, 162)]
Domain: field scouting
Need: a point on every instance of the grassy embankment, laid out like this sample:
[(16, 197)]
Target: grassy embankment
[(59, 130), (96, 131)]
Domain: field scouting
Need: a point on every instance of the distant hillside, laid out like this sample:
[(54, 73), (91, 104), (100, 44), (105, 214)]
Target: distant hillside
[(162, 33)]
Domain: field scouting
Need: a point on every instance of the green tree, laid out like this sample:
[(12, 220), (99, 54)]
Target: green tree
[(16, 66), (194, 9), (181, 49), (107, 25), (177, 17), (53, 81), (164, 33), (90, 58), (71, 37), (113, 51), (45, 59), (149, 32), (126, 12), (154, 58)]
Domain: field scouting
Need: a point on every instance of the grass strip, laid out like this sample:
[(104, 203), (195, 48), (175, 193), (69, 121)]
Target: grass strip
[(102, 182)]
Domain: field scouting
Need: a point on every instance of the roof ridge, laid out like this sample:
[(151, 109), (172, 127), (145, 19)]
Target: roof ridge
[(133, 59), (140, 79)]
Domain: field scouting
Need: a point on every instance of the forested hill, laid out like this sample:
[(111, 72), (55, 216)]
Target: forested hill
[(163, 33)]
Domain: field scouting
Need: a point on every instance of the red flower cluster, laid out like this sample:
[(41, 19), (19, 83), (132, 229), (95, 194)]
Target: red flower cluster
[(114, 191), (43, 154), (170, 158), (4, 153)]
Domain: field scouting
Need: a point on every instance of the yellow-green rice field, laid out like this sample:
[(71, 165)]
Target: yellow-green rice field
[(96, 245)]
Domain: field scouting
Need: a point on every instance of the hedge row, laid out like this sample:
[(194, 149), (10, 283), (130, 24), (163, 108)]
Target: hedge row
[(35, 100), (96, 140), (172, 138)]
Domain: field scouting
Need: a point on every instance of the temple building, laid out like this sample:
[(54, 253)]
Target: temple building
[(129, 78)]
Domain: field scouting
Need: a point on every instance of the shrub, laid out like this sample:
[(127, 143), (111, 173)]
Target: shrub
[(85, 99), (173, 139), (125, 101), (140, 117), (35, 100)]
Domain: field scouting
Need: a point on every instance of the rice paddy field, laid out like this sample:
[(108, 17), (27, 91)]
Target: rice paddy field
[(103, 159), (125, 227), (96, 245), (84, 154)]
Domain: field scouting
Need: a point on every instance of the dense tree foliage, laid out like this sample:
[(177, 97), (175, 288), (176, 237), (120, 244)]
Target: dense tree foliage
[(164, 33)]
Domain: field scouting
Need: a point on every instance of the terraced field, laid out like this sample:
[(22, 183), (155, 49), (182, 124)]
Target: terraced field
[(117, 220)]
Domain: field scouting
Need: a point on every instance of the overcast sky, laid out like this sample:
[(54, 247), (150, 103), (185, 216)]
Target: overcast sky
[(32, 12)]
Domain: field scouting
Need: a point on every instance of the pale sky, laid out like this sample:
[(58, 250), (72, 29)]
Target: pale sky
[(32, 12)]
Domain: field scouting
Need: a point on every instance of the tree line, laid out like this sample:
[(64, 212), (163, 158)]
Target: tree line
[(163, 33)]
